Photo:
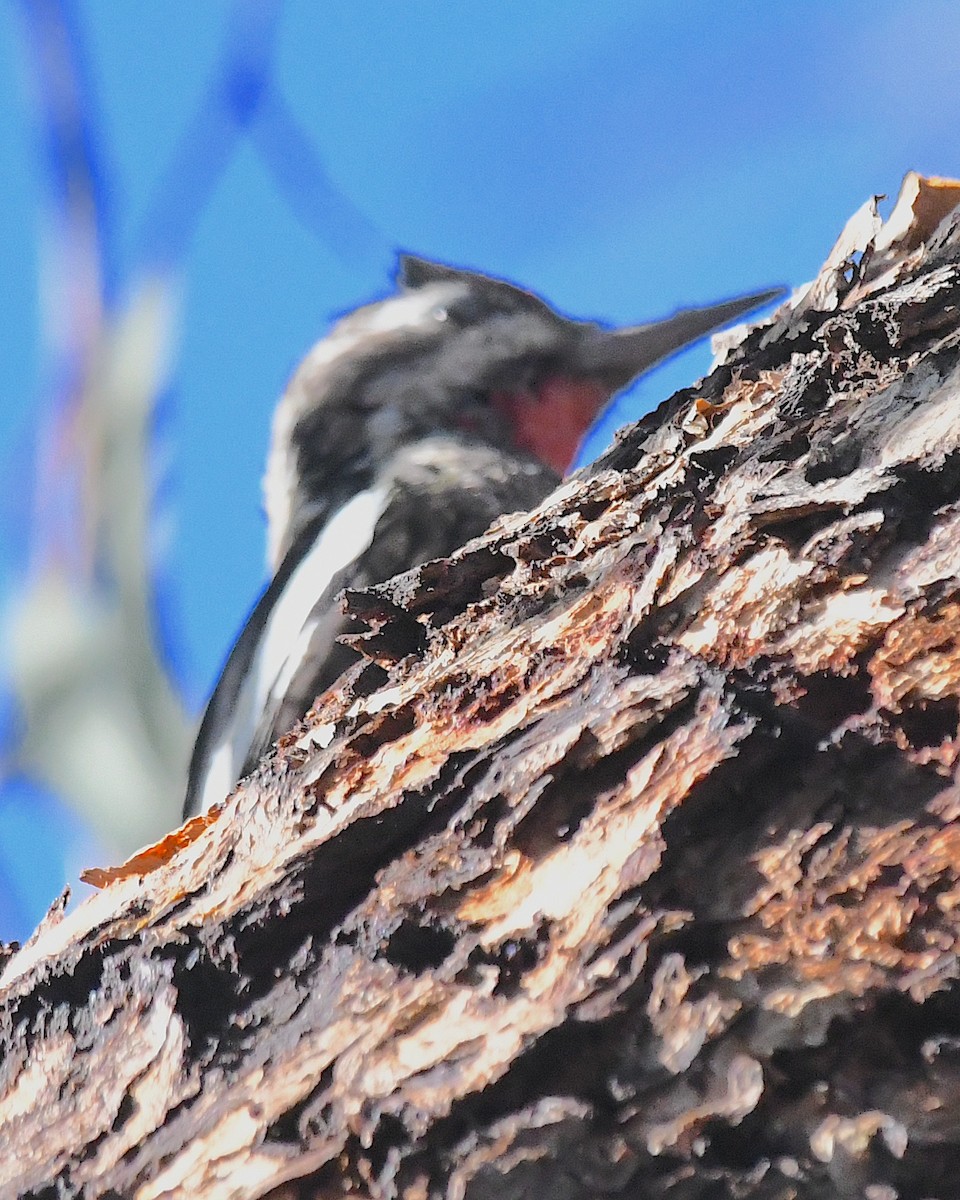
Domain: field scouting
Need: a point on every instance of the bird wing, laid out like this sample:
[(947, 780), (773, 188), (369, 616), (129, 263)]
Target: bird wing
[(321, 562), (429, 500)]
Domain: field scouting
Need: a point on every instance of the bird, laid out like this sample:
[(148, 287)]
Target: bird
[(408, 429)]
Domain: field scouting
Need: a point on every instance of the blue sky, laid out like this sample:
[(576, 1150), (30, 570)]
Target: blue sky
[(621, 158)]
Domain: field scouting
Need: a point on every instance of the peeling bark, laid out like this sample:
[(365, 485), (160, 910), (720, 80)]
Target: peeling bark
[(627, 864)]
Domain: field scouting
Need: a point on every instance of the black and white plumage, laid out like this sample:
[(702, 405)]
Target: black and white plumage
[(406, 431)]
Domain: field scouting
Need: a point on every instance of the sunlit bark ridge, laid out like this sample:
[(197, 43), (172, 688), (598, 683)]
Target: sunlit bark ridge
[(628, 862)]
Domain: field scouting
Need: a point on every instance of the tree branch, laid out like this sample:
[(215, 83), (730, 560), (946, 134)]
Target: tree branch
[(630, 862)]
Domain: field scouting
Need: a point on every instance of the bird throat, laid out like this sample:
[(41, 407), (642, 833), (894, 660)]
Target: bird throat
[(550, 421)]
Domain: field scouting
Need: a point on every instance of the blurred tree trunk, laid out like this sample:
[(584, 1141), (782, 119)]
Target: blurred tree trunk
[(630, 865)]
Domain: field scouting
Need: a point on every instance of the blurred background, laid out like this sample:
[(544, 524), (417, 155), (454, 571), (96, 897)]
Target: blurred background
[(192, 191)]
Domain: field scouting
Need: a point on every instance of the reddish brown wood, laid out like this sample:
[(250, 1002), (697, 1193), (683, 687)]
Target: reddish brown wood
[(633, 868)]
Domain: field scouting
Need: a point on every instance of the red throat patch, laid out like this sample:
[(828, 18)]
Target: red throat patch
[(551, 420)]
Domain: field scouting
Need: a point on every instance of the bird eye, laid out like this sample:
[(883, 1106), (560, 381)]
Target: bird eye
[(467, 310), (456, 313)]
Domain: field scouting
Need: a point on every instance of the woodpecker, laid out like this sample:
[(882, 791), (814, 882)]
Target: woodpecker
[(406, 431)]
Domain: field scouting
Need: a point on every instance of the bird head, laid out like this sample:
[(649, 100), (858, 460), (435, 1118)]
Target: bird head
[(456, 353)]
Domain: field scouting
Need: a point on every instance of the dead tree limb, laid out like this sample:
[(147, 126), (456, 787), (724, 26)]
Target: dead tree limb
[(627, 864)]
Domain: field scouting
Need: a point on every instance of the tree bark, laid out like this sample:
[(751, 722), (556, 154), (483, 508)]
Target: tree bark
[(627, 864)]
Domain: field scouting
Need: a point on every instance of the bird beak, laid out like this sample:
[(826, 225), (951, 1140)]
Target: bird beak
[(619, 355)]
